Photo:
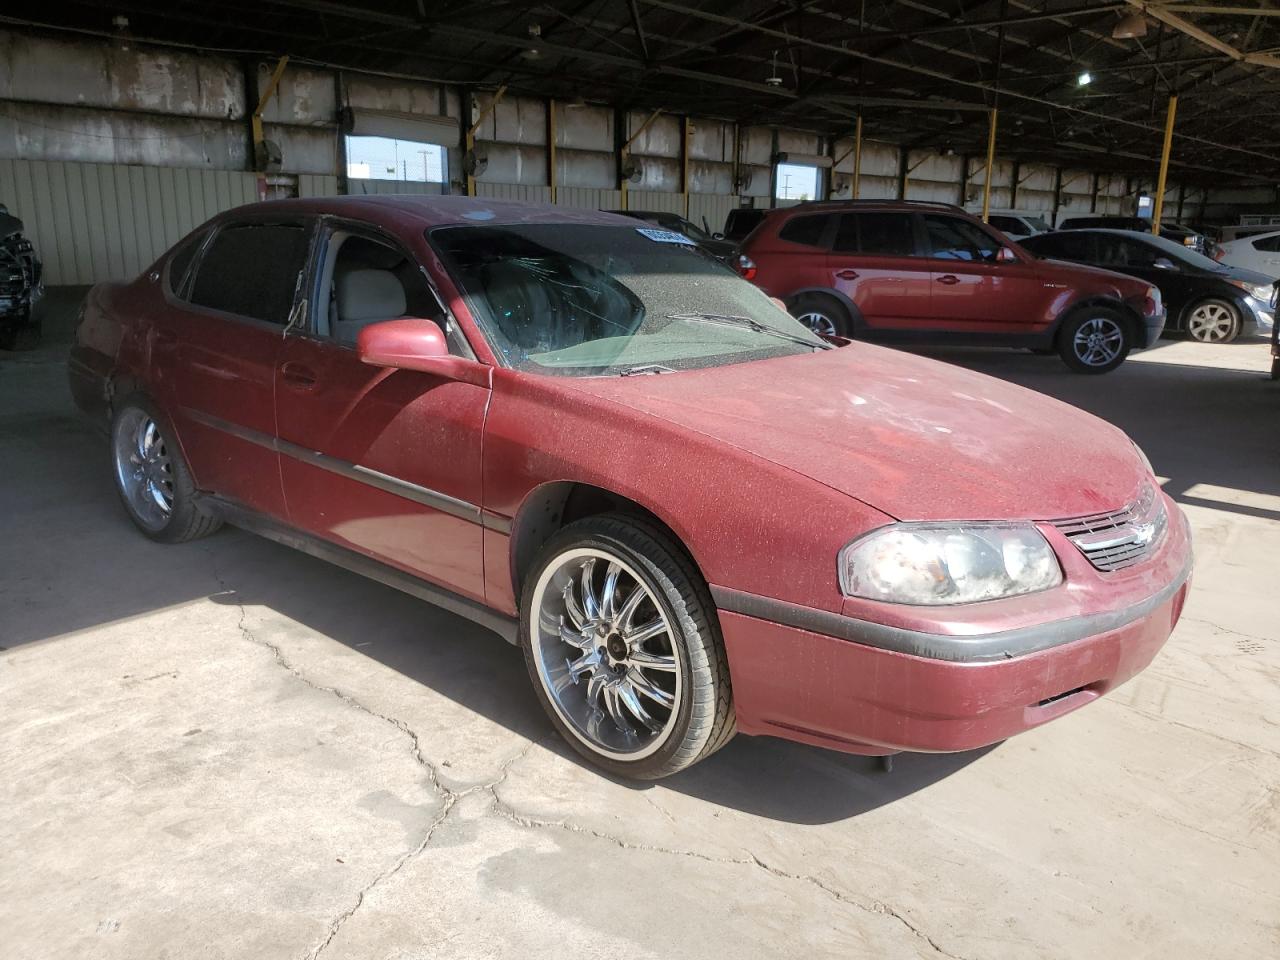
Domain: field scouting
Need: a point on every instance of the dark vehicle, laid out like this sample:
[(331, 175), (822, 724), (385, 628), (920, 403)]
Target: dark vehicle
[(741, 222), (20, 285), (899, 271), (1170, 231), (1210, 301), (713, 243)]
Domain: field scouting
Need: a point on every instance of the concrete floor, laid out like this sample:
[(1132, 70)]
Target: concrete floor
[(227, 749)]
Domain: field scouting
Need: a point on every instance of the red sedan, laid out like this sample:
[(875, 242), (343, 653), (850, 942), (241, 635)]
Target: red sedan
[(695, 516)]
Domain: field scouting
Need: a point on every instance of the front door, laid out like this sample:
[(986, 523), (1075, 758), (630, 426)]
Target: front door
[(385, 462), (224, 332), (976, 292), (876, 261)]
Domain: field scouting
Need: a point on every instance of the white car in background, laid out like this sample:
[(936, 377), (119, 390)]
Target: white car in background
[(1018, 226), (1260, 253)]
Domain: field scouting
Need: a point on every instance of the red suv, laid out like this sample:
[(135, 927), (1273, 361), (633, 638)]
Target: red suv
[(915, 272)]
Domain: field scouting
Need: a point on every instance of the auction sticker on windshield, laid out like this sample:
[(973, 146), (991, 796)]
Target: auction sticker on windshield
[(664, 236)]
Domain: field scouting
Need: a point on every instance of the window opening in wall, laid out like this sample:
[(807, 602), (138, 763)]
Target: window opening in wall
[(797, 182), (386, 158)]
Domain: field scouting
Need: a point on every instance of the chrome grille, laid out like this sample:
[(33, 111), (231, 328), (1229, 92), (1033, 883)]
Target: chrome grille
[(1121, 538)]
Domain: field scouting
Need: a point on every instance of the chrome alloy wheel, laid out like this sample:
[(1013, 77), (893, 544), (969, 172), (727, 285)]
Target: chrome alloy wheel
[(143, 468), (1098, 341), (1211, 323), (819, 323), (604, 653)]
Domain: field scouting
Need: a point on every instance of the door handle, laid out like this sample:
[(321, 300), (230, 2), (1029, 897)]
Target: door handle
[(296, 373), (948, 279), (847, 274)]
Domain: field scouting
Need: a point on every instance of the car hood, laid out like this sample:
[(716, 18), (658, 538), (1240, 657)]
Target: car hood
[(1065, 270), (915, 438), (1242, 274)]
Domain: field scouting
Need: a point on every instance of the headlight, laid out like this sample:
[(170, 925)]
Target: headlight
[(1261, 291), (937, 563)]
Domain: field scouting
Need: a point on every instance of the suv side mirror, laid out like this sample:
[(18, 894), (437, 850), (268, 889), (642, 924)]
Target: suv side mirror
[(1164, 263), (1006, 255), (416, 344)]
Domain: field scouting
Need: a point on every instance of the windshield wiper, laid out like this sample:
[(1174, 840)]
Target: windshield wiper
[(729, 320), (643, 368)]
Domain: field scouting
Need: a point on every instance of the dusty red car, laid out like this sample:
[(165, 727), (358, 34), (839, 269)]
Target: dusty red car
[(694, 515), (896, 271)]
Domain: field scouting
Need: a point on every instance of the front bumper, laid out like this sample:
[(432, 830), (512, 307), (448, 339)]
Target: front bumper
[(832, 682), (1154, 328), (1262, 314)]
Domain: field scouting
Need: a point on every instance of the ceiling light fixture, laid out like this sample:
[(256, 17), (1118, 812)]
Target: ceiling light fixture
[(1084, 79), (1130, 27)]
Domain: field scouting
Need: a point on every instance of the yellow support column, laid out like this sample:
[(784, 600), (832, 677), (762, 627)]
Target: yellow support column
[(991, 162), (471, 133), (1164, 166), (255, 121)]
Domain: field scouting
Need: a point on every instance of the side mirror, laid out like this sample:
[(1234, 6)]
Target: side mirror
[(1164, 263), (415, 344), (1006, 255)]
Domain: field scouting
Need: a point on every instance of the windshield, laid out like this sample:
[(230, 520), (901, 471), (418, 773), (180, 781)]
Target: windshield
[(691, 230), (591, 300), (1037, 224)]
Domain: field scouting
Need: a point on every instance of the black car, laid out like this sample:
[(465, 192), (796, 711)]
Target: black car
[(1210, 301), (713, 243), (1170, 231), (741, 222), (20, 284)]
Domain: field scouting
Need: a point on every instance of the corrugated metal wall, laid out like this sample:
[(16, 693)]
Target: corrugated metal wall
[(92, 221)]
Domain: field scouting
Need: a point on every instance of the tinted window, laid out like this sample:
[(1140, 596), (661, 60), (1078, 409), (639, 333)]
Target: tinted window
[(741, 222), (1007, 224), (885, 234), (180, 260), (1062, 246), (951, 238), (807, 230), (1121, 252), (252, 270), (1268, 244)]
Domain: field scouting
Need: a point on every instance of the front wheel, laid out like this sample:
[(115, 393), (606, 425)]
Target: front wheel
[(623, 649), (151, 476), (1214, 321), (1094, 340)]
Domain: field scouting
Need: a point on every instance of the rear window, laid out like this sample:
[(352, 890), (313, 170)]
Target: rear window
[(883, 234), (1268, 244), (252, 270), (810, 230), (741, 222)]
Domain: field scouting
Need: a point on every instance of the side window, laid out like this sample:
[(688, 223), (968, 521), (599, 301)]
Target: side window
[(1072, 246), (367, 281), (180, 260), (1006, 224), (252, 270), (951, 238), (809, 231), (1268, 244), (880, 234), (1116, 251)]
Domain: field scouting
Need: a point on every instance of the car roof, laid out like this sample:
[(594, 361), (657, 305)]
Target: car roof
[(1110, 231), (425, 211), (646, 213)]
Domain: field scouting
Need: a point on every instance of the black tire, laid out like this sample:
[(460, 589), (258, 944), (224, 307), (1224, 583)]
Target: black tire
[(822, 314), (185, 520), (703, 719), (1100, 356), (1222, 325)]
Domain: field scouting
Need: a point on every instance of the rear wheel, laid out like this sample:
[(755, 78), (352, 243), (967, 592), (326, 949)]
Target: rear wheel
[(152, 478), (1094, 340), (825, 316), (621, 643), (1214, 321)]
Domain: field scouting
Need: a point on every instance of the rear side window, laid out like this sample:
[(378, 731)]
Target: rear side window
[(1268, 244), (880, 234), (809, 230), (1062, 246), (252, 270), (951, 238)]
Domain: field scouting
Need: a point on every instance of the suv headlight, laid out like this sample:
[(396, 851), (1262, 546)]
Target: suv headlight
[(940, 563)]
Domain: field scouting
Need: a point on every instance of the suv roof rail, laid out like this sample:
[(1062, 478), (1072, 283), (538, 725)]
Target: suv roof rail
[(936, 204)]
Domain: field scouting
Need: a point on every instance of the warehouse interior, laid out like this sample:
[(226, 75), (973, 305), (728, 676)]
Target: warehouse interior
[(232, 749)]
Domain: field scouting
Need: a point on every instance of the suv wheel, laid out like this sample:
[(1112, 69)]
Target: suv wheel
[(825, 316), (621, 642), (1213, 321), (1095, 340)]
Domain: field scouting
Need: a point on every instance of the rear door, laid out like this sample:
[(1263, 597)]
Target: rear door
[(876, 261), (385, 462), (224, 338), (976, 292), (1178, 283)]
